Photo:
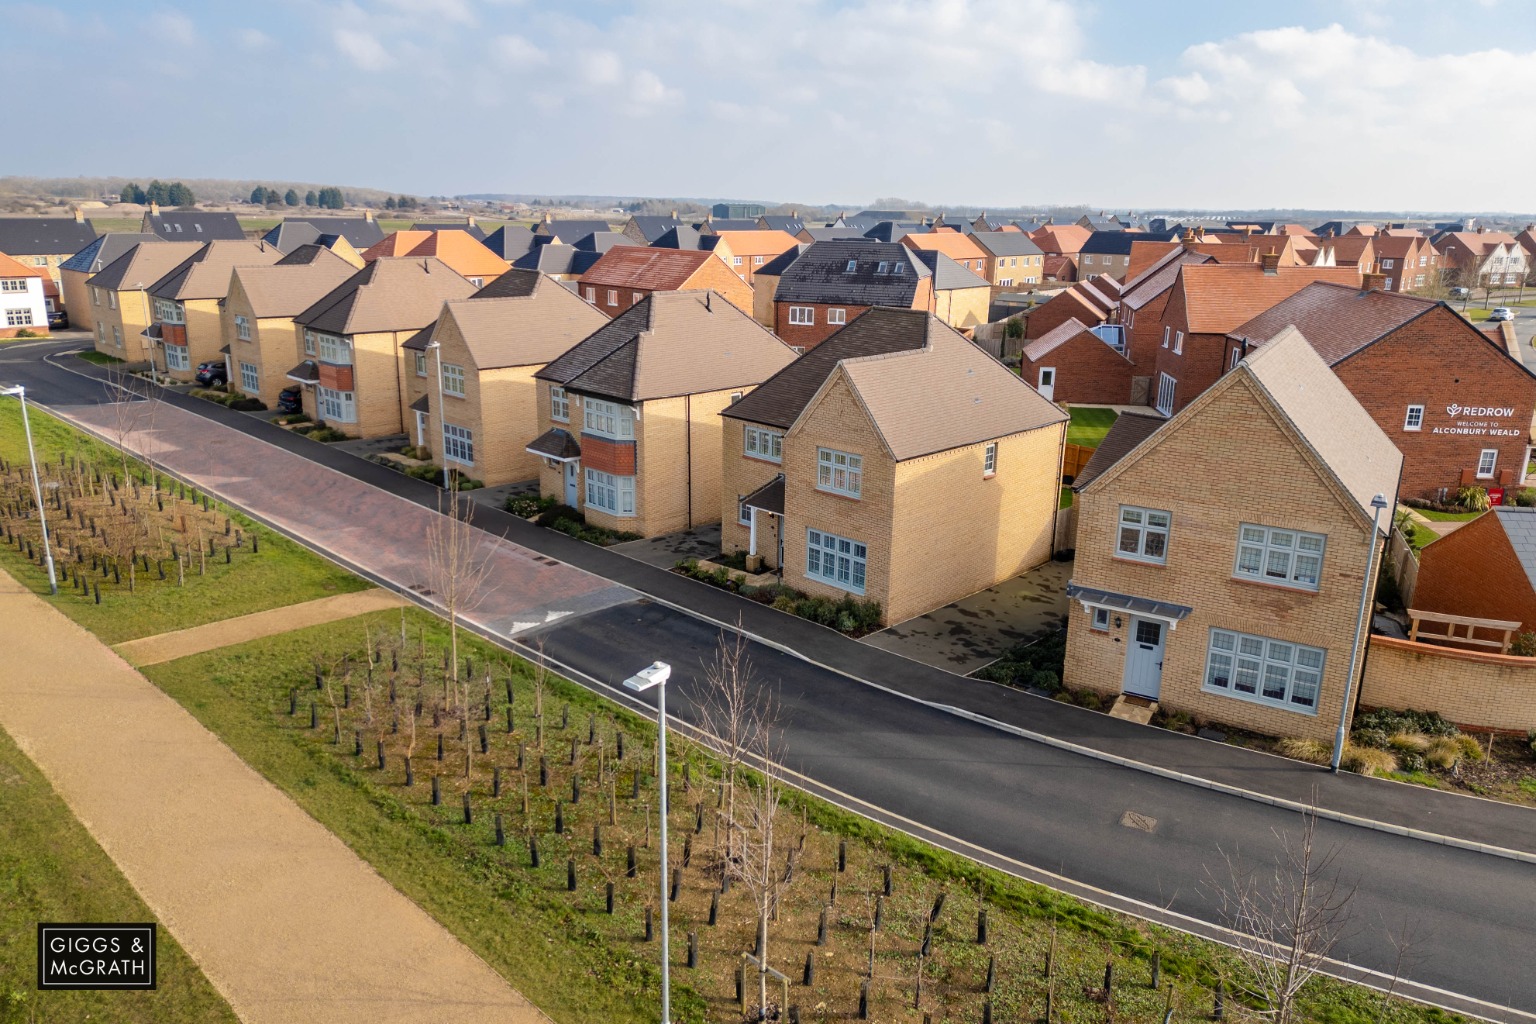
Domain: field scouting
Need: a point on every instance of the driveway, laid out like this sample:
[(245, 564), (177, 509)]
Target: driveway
[(665, 552)]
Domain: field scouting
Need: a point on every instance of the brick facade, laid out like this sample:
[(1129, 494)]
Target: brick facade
[(204, 335), (272, 348), (740, 475), (129, 313), (712, 273), (1474, 571), (1086, 371), (1474, 690), (807, 336)]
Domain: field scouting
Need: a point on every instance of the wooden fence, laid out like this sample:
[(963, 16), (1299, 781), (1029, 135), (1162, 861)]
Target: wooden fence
[(1403, 566), (1074, 459)]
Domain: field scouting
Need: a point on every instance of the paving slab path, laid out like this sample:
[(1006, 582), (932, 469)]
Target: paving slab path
[(219, 854), (152, 650)]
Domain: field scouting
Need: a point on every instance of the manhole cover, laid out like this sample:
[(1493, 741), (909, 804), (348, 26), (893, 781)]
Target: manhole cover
[(1130, 819)]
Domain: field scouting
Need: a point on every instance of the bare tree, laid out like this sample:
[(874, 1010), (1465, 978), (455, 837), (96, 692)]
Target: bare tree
[(762, 870), (730, 711), (1288, 917)]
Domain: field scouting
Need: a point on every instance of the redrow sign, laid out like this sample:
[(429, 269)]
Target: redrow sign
[(1478, 410)]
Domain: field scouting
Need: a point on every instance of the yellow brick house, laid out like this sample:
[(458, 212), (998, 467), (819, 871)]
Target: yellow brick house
[(895, 462), (1221, 554), (630, 416), (186, 303), (118, 298)]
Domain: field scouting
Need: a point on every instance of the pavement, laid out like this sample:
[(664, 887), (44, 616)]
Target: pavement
[(666, 551), (237, 871), (1030, 785)]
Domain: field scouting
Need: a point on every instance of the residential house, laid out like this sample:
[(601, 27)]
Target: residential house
[(91, 260), (191, 225), (1485, 569), (1075, 363), (1481, 259), (738, 211), (45, 242), (1012, 260), (961, 298), (644, 230), (187, 303), (626, 274), (712, 225), (260, 340), (468, 226), (810, 234), (120, 310), (1455, 402), (746, 251), (1209, 300), (469, 258), (789, 223), (684, 237), (292, 232), (1095, 301), (895, 462), (963, 249), (833, 282), (1236, 604), (629, 417), (568, 231), (1108, 253), (394, 244), (1527, 241), (765, 284), (1100, 222), (350, 341), (1358, 252), (478, 359), (895, 230), (23, 306), (562, 262)]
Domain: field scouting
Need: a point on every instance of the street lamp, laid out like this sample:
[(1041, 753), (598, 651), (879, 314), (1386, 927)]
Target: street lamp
[(1378, 503), (656, 675), (37, 487), (442, 420)]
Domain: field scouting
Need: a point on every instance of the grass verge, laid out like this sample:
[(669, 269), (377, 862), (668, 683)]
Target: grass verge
[(1089, 426), (52, 870), (90, 355)]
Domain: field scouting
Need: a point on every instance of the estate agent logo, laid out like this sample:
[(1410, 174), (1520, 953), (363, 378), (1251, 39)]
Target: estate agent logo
[(96, 956), (1479, 421)]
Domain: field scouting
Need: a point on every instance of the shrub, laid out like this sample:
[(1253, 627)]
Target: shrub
[(25, 333), (1389, 721), (1015, 328), (1445, 752), (784, 603), (1523, 644), (429, 473), (328, 435), (1408, 743), (1312, 751), (1088, 699), (1474, 499), (1045, 679), (1530, 739), (1525, 497), (526, 507), (1367, 760), (291, 419), (554, 513), (1410, 762), (1470, 748)]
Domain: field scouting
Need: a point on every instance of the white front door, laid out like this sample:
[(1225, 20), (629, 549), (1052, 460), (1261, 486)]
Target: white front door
[(1047, 386), (421, 428), (1144, 658), (572, 472)]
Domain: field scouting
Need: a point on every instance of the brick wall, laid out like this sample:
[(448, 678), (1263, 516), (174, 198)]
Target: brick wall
[(204, 332), (763, 287), (715, 274), (1054, 312), (1087, 370), (1474, 571), (963, 307), (1145, 333), (76, 298), (130, 317), (1200, 364), (1481, 691), (1235, 429), (740, 475), (677, 485), (376, 382), (809, 336)]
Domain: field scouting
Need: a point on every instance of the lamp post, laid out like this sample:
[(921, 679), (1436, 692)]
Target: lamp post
[(442, 421), (37, 485), (1377, 503), (656, 675)]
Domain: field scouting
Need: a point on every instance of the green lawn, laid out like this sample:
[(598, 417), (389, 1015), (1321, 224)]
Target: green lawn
[(110, 224), (1066, 498), (1476, 315), (52, 870), (1089, 426), (1446, 517), (90, 355)]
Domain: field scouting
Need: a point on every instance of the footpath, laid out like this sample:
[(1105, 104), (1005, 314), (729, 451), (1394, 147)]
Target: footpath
[(285, 921)]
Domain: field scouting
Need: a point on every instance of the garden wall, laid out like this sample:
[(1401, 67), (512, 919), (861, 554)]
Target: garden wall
[(1472, 689)]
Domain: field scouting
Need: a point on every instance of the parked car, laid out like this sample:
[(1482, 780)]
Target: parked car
[(58, 320), (213, 374), (1502, 313), (1460, 293), (290, 400)]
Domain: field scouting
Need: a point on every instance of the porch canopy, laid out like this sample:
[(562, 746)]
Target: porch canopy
[(556, 445), (769, 497), (1145, 607)]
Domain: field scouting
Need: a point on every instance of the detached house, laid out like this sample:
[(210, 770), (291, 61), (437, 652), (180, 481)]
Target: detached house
[(1075, 363), (121, 313), (1238, 604), (23, 307), (629, 416), (1094, 301), (961, 298), (45, 242), (1407, 262), (896, 462), (292, 232), (485, 350), (1481, 258), (963, 249), (748, 251), (187, 303), (350, 341), (93, 259), (831, 283), (1013, 259), (192, 225), (626, 274)]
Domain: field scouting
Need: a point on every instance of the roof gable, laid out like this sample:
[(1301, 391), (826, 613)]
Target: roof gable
[(519, 330), (1220, 297), (286, 289), (142, 266), (388, 294), (1338, 320), (206, 273)]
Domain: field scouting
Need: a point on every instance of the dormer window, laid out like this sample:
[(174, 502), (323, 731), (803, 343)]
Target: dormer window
[(899, 269), (852, 266), (884, 268)]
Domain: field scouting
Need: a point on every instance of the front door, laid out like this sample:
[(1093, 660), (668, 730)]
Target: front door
[(1144, 659), (421, 427), (572, 472), (1047, 386)]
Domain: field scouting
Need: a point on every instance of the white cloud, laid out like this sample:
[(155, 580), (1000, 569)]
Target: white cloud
[(363, 49), (519, 51), (598, 68), (175, 27), (253, 39), (456, 11), (647, 90)]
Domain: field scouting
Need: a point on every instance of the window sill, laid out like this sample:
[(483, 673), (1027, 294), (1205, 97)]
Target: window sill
[(1296, 588), (839, 494), (763, 458), (989, 476), (857, 592), (1133, 560), (1263, 702)]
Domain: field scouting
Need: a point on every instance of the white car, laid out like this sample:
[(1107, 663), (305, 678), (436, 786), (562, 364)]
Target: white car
[(1502, 313)]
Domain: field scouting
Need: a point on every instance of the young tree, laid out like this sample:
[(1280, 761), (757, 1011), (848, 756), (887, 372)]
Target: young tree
[(730, 711), (310, 199), (763, 872)]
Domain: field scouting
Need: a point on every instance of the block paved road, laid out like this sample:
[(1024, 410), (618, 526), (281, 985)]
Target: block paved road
[(1019, 804)]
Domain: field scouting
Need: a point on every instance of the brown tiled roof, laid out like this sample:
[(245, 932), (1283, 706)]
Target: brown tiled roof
[(289, 289), (780, 399), (12, 268), (389, 294), (669, 344), (1353, 249), (1058, 267), (1221, 297), (1057, 337), (1396, 247), (205, 274), (1062, 239), (520, 330), (951, 243), (645, 268), (462, 252), (1145, 256), (1124, 434), (1159, 277), (1338, 320), (947, 394)]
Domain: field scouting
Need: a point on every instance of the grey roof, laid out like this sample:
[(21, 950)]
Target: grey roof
[(1128, 603), (680, 237), (602, 241), (829, 234), (1115, 242), (652, 227), (474, 231), (821, 274), (510, 241), (307, 372), (556, 444), (195, 226), (1101, 223), (949, 275), (769, 497), (568, 231), (1520, 527), (1006, 243), (422, 404), (44, 236), (557, 258), (292, 232), (727, 224), (1029, 227), (95, 257), (777, 265), (875, 216), (787, 223), (514, 284), (896, 230), (1124, 434)]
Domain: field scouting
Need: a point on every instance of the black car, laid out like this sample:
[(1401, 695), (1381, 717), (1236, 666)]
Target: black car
[(58, 320), (212, 374), (290, 400)]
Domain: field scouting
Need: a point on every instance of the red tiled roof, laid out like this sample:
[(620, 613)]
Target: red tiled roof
[(1220, 297), (398, 244), (1063, 239), (645, 268), (1338, 320), (956, 246), (462, 252)]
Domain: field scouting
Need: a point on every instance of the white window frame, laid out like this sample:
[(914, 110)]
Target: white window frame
[(177, 358), (458, 444), (837, 316), (989, 460), (1178, 343), (111, 300), (840, 562), (743, 513), (757, 261), (607, 419), (310, 345), (1490, 456), (802, 316), (1101, 619), (1279, 555), (421, 364), (1413, 419), (592, 295), (21, 317), (117, 336), (95, 296), (1167, 336), (1232, 360), (853, 265), (167, 311), (762, 443), (453, 380), (735, 261), (559, 405), (1148, 530), (1386, 285), (839, 472), (608, 493), (250, 378), (1261, 669), (242, 327), (336, 406), (1166, 383), (1387, 264), (334, 349), (613, 296)]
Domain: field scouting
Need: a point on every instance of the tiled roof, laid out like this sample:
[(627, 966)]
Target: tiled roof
[(44, 236), (1056, 337), (196, 226), (292, 232), (142, 266), (946, 394), (1124, 435), (602, 241), (895, 231), (10, 267), (396, 243), (769, 497), (462, 252), (680, 237), (1159, 277), (205, 274), (108, 247), (523, 330), (1352, 249), (1337, 319), (1061, 239), (833, 234), (515, 283), (1221, 297), (670, 344), (1006, 243), (510, 241), (951, 243), (307, 372), (474, 231), (1397, 247), (1060, 268), (286, 289), (556, 258), (821, 274), (949, 275), (1520, 527), (389, 294), (652, 227), (646, 267), (568, 231), (777, 265), (1109, 243), (557, 444), (790, 225), (758, 243)]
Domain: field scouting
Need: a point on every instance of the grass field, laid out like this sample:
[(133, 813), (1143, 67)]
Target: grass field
[(1089, 426), (52, 870)]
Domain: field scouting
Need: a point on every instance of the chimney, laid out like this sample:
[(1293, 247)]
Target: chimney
[(1480, 229), (154, 208), (548, 219), (674, 215), (1270, 261), (1372, 281), (1199, 233), (368, 216), (471, 220), (79, 215), (1188, 238)]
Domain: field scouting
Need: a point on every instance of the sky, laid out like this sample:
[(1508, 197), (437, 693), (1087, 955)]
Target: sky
[(1395, 105)]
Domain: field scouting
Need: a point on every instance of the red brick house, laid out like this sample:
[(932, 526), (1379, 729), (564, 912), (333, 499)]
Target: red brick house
[(1406, 262), (1454, 402), (1073, 364), (1094, 301), (832, 282), (625, 274), (1484, 570)]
